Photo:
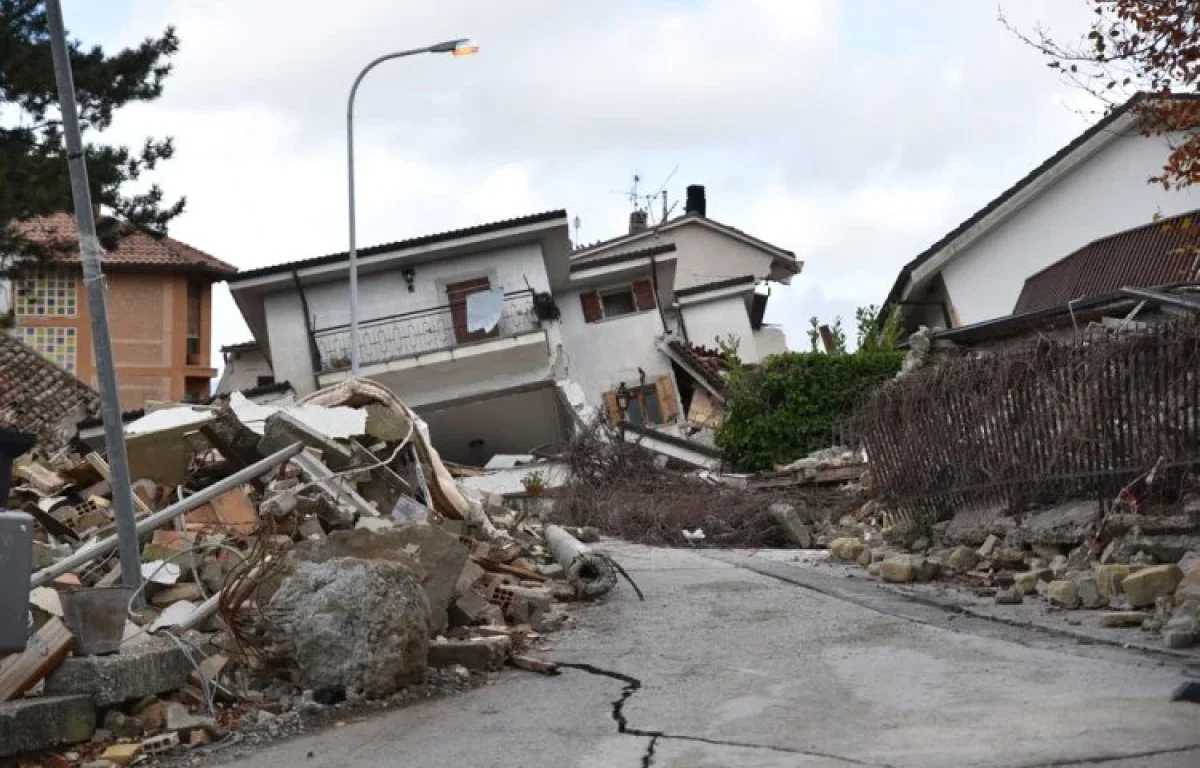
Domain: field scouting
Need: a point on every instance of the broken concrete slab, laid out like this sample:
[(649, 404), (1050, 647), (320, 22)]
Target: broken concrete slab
[(1065, 524), (787, 518), (282, 429), (477, 653), (1063, 594), (355, 624), (1147, 585), (35, 724), (139, 671)]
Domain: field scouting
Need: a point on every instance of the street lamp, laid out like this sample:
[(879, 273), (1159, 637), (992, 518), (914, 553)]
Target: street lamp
[(461, 47)]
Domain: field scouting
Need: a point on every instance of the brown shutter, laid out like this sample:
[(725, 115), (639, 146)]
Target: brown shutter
[(667, 404), (643, 294), (591, 307), (612, 407), (457, 294)]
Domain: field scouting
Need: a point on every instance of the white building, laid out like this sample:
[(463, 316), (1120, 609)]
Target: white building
[(245, 367), (1094, 187), (600, 317)]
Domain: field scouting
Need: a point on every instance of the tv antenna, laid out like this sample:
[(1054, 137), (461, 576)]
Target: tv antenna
[(577, 222)]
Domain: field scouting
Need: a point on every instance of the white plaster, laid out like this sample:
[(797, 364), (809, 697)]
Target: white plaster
[(718, 319)]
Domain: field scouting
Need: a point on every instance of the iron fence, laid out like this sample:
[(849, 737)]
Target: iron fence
[(422, 332)]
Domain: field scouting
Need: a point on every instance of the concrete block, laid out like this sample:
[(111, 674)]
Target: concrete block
[(1149, 584), (1063, 594), (135, 672), (479, 653), (31, 725)]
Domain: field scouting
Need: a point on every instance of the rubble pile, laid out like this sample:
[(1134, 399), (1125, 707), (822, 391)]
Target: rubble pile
[(1138, 565), (295, 560)]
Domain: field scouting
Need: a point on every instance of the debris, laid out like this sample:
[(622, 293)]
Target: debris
[(145, 670), (160, 572), (1122, 619), (849, 549), (1147, 585), (1013, 595), (231, 513), (160, 743), (35, 724), (989, 544), (793, 526), (1088, 589), (1063, 594), (354, 624), (477, 653), (533, 665), (1027, 581), (962, 559), (900, 568), (121, 754), (591, 575), (1109, 578)]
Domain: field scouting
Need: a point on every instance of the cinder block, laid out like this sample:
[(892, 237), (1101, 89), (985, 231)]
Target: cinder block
[(136, 672), (31, 725), (479, 653)]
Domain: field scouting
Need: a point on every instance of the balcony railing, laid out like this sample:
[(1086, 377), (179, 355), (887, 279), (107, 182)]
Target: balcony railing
[(419, 333)]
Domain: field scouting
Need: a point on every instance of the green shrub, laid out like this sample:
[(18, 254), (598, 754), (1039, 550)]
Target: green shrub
[(786, 408)]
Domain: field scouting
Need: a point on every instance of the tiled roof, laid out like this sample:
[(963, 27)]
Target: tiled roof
[(641, 253), (583, 251), (709, 363), (38, 396), (1163, 252), (134, 249), (413, 242), (717, 285), (908, 269)]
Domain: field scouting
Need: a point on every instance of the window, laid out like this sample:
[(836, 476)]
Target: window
[(46, 294), (618, 302), (55, 344), (195, 299), (644, 404), (457, 294), (614, 302)]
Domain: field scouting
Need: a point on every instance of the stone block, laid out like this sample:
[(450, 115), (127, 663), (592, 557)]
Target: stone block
[(928, 568), (1109, 578), (961, 559), (1122, 619), (478, 653), (1089, 590), (989, 545), (864, 557), (34, 724), (1063, 594), (1188, 589), (875, 569), (140, 671), (1009, 557), (1149, 584), (1011, 596), (1026, 582), (900, 569), (846, 548)]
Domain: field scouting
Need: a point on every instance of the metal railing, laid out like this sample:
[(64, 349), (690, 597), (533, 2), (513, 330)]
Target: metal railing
[(422, 332)]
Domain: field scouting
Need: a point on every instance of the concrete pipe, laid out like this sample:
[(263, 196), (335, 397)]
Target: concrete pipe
[(589, 573)]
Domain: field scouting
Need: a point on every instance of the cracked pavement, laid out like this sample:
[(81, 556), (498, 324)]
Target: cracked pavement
[(724, 666)]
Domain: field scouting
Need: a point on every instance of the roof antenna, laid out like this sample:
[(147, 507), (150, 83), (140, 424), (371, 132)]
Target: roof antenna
[(578, 221)]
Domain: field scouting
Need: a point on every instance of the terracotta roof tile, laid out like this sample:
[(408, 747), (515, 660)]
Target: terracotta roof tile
[(38, 396), (135, 248)]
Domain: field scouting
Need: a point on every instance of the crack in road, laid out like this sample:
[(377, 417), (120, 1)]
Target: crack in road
[(632, 685), (1102, 759)]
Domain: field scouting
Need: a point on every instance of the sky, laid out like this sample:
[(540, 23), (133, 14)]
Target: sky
[(852, 132)]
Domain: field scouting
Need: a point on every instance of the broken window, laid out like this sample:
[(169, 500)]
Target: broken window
[(457, 294), (643, 405), (618, 302)]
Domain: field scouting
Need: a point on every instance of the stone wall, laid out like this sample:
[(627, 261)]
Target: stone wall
[(38, 396)]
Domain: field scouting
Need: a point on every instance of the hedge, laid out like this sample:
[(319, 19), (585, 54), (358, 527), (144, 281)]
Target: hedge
[(786, 407)]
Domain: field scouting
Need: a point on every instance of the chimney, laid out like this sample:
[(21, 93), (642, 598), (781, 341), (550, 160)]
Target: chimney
[(695, 200), (637, 222)]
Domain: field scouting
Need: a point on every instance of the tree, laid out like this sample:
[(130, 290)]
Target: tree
[(1148, 47), (34, 180)]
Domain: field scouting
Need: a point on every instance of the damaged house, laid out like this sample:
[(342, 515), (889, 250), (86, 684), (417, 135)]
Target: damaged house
[(502, 337)]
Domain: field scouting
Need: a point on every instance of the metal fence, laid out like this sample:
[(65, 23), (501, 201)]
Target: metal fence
[(1039, 423), (418, 333)]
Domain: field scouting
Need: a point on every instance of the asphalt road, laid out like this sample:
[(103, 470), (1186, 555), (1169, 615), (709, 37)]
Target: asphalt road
[(725, 666)]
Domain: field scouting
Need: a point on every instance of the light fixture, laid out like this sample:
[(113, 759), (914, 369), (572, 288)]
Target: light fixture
[(462, 47), (623, 398), (408, 278)]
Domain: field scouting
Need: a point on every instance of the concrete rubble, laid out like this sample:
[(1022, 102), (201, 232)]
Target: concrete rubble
[(296, 560)]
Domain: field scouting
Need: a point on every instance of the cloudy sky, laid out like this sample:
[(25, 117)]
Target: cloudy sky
[(853, 132)]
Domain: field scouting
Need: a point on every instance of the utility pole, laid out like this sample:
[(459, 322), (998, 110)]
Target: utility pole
[(93, 280)]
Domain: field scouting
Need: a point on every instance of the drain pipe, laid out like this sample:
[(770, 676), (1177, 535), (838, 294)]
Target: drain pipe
[(588, 572)]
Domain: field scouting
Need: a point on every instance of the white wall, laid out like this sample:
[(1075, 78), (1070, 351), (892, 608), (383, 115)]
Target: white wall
[(514, 423), (704, 256), (242, 371), (1103, 196), (289, 345), (708, 320), (601, 355), (770, 340)]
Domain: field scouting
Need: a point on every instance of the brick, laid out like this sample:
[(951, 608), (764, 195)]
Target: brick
[(479, 653), (31, 725), (135, 672)]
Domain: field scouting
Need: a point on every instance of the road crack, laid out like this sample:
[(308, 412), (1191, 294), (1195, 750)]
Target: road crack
[(631, 685)]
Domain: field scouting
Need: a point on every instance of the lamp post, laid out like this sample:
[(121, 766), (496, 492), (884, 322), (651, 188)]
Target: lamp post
[(454, 48)]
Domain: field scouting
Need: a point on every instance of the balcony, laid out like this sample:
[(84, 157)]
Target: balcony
[(421, 333)]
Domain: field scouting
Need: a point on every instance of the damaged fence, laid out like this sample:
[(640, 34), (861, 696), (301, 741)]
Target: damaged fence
[(1038, 423)]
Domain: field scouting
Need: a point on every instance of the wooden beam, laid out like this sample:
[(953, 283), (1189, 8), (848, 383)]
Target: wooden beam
[(43, 652)]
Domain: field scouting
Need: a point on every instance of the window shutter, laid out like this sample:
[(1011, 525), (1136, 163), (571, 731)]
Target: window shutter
[(591, 306), (643, 294), (668, 405), (612, 407)]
